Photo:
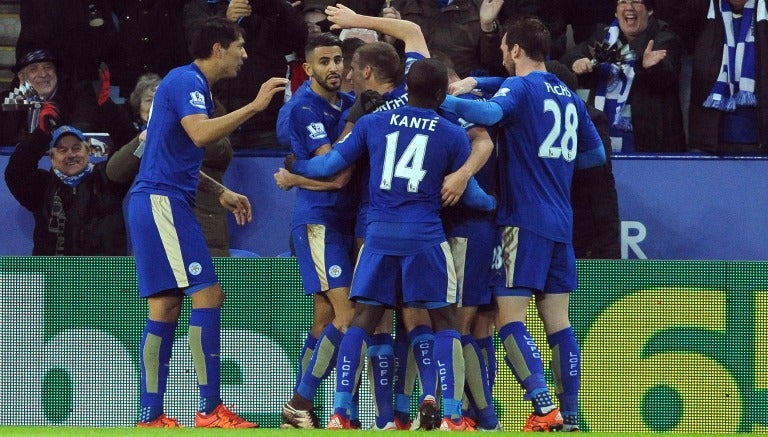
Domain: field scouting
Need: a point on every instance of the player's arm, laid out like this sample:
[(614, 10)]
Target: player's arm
[(235, 202), (203, 130), (404, 30), (476, 198), (591, 151), (476, 111), (486, 84), (287, 180), (455, 183), (320, 166)]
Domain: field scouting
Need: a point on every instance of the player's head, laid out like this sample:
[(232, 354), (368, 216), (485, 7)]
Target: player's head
[(427, 83), (349, 46), (374, 63), (526, 37), (448, 62), (222, 40), (324, 61)]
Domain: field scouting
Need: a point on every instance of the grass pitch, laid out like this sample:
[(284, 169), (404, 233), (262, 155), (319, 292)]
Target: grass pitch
[(260, 432)]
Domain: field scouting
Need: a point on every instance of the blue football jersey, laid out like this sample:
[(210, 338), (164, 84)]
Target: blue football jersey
[(544, 126), (171, 161), (410, 151), (313, 122)]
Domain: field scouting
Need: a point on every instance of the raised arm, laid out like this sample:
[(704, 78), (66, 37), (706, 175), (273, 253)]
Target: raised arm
[(404, 30)]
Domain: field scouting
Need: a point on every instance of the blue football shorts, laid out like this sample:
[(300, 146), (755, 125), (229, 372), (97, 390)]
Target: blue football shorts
[(425, 280), (324, 257), (168, 244), (532, 263), (473, 260)]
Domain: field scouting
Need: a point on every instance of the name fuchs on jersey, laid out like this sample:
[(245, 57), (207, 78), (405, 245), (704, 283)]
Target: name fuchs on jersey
[(413, 122)]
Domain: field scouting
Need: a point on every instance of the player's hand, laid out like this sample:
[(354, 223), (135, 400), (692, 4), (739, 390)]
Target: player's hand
[(582, 66), (238, 204), (284, 179), (462, 86), (341, 16), (238, 9), (652, 57), (49, 117), (268, 90), (454, 185), (365, 103)]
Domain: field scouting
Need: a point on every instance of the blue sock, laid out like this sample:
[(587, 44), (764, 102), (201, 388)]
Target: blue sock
[(423, 342), (449, 361), (348, 366), (322, 363), (489, 354), (304, 358), (477, 383), (566, 371), (382, 362), (155, 354), (205, 344), (524, 359), (402, 349)]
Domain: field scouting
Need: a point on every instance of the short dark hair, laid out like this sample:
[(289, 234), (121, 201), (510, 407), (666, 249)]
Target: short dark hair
[(210, 31), (325, 39), (383, 60), (531, 34), (427, 78)]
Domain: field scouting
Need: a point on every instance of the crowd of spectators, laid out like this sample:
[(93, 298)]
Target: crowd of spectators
[(678, 55)]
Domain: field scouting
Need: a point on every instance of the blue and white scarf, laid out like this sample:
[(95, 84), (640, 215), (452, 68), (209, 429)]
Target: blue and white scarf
[(613, 85), (74, 181), (735, 85)]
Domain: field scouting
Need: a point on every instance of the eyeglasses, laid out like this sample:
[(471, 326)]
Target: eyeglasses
[(630, 2)]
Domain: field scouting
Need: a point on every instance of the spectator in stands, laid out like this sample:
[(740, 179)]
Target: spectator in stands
[(77, 208), (150, 37), (638, 88), (77, 103), (453, 27), (729, 89), (140, 99), (273, 30)]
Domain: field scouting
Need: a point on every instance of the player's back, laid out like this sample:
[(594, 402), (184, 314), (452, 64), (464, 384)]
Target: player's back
[(545, 125), (411, 150)]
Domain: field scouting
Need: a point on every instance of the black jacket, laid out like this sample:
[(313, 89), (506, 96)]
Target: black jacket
[(82, 221), (657, 117)]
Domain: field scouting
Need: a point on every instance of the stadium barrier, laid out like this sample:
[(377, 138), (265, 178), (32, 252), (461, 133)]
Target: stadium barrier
[(667, 346)]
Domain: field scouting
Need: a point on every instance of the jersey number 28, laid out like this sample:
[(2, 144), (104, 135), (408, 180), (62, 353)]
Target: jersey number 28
[(563, 129)]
